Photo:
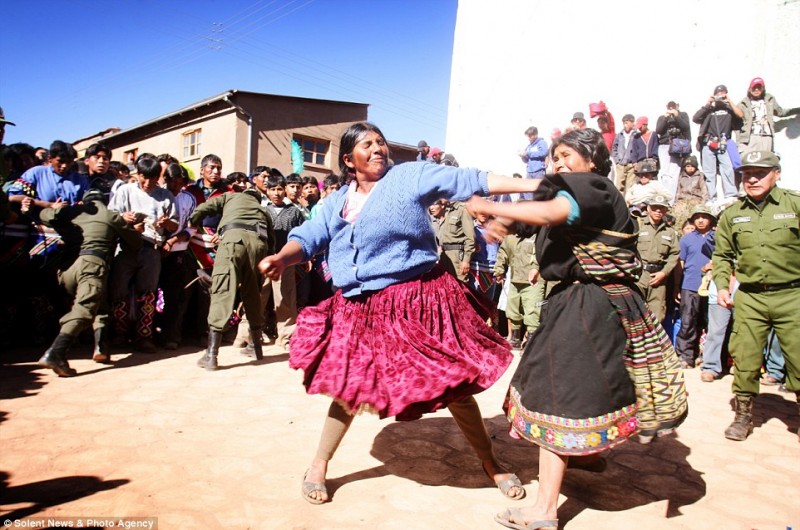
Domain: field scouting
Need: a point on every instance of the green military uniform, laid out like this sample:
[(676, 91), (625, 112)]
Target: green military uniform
[(659, 249), (761, 244), (524, 302), (240, 250), (456, 234), (94, 229), (91, 231)]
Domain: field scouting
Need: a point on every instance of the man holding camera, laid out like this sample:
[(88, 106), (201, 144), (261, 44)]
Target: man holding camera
[(717, 119)]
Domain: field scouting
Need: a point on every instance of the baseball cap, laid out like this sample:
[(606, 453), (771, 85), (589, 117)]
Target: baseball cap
[(641, 120), (658, 200), (421, 144), (720, 88), (672, 105), (646, 166), (757, 81), (760, 159), (3, 118), (578, 116), (628, 117), (436, 151)]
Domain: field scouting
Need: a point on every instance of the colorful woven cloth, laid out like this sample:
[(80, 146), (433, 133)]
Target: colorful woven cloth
[(649, 357)]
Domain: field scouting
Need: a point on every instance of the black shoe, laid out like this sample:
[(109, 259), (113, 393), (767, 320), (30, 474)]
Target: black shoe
[(144, 345), (55, 357)]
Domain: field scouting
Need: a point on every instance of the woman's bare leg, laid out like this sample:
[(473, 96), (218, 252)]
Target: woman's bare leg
[(551, 474)]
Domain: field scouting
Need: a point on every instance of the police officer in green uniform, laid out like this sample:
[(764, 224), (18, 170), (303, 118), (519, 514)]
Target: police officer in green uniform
[(659, 249), (758, 238), (246, 237), (526, 291), (90, 230), (455, 230)]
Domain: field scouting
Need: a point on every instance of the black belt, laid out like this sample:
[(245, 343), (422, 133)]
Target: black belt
[(768, 287), (236, 226), (652, 267), (453, 246), (260, 229), (96, 253)]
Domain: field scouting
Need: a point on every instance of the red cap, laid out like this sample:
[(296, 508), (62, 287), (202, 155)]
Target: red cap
[(757, 81), (641, 121), (435, 151)]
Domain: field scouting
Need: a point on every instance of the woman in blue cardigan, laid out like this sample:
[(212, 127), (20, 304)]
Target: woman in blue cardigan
[(399, 337)]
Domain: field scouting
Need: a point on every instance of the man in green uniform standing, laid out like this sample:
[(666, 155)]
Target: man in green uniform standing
[(90, 230), (455, 230), (659, 249), (246, 237), (758, 239)]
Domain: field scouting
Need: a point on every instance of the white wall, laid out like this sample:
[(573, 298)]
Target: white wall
[(518, 63)]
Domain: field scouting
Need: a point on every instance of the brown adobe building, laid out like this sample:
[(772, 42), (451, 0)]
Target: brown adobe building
[(245, 129)]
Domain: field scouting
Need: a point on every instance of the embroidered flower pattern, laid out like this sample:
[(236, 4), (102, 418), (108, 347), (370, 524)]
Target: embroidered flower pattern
[(550, 436), (593, 439), (612, 432)]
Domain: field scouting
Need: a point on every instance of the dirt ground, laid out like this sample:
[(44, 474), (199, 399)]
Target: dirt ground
[(154, 436)]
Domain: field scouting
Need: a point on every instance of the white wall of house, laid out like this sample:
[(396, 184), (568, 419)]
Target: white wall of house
[(518, 63)]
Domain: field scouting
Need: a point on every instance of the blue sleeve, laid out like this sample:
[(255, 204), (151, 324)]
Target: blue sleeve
[(709, 244), (314, 235), (682, 255), (574, 216), (450, 182), (540, 152), (29, 176)]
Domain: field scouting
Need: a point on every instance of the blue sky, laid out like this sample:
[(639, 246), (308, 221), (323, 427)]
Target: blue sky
[(74, 68)]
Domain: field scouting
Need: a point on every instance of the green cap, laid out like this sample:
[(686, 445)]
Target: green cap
[(701, 209), (760, 159)]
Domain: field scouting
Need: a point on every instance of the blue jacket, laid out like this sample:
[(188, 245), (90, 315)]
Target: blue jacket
[(638, 151), (535, 155), (392, 240)]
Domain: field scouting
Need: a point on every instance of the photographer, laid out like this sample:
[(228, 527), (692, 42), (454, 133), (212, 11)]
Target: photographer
[(717, 119), (673, 124)]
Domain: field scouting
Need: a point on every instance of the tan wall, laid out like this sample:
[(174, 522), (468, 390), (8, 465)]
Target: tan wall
[(276, 120), (226, 132), (221, 135)]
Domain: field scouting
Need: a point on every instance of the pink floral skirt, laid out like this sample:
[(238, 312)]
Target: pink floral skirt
[(406, 350)]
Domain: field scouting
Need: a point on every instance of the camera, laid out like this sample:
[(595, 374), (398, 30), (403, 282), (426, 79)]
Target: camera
[(719, 98)]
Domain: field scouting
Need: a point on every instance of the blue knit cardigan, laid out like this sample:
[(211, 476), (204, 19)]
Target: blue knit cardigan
[(392, 240)]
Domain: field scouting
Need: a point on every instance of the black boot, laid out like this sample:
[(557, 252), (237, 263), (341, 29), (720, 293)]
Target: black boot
[(209, 360), (55, 358), (100, 354), (254, 348), (742, 424), (516, 338)]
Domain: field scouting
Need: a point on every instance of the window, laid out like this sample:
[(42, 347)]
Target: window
[(314, 151), (191, 144)]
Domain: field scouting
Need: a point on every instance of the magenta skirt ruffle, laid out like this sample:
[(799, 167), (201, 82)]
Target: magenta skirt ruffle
[(406, 350)]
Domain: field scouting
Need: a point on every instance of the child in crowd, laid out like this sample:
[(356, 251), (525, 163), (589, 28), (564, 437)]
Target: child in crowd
[(646, 187), (692, 190), (694, 264), (284, 290), (483, 260)]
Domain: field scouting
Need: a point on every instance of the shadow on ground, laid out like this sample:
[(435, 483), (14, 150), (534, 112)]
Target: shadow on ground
[(49, 493), (432, 451)]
